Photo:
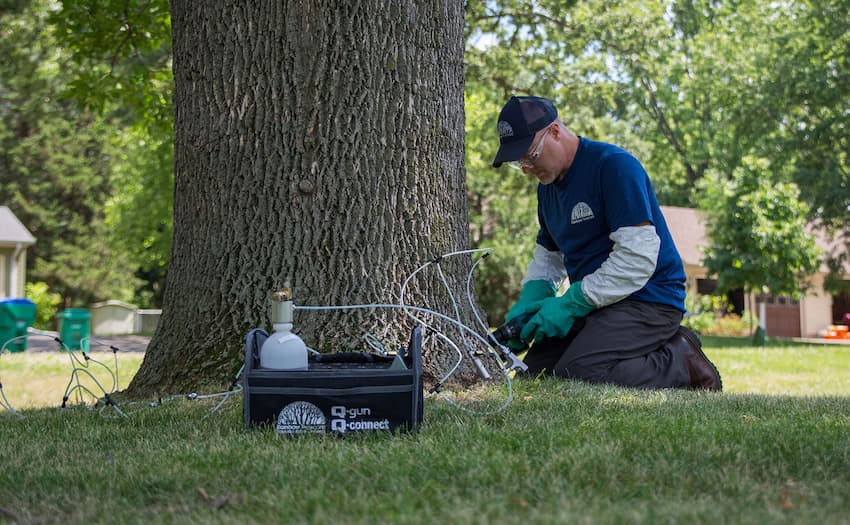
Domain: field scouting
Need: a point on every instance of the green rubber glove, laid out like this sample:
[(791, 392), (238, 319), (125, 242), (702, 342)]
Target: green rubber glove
[(532, 293), (555, 316)]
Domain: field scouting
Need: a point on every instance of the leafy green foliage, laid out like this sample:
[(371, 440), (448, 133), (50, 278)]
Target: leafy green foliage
[(46, 304), (54, 165), (762, 244), (120, 64), (812, 79), (703, 311), (139, 212), (120, 54), (713, 315)]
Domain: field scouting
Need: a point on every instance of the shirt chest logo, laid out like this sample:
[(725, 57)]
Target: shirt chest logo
[(581, 212)]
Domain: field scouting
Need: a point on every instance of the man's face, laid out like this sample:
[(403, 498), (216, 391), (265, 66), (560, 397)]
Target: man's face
[(540, 160)]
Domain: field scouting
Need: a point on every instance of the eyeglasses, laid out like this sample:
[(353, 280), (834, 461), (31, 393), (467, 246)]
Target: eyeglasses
[(527, 161)]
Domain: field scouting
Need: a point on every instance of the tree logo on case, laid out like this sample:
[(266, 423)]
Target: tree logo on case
[(301, 417)]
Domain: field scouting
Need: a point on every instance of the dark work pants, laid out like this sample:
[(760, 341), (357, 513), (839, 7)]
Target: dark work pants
[(623, 343)]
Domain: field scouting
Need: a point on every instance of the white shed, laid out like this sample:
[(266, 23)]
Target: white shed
[(14, 241), (147, 320), (113, 318)]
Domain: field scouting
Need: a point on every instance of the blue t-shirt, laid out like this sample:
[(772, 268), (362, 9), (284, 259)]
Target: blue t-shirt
[(605, 189)]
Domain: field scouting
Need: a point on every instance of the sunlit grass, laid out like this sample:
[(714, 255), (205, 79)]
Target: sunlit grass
[(773, 448), (816, 370), (39, 379)]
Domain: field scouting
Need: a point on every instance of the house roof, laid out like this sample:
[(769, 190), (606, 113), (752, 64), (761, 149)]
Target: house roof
[(688, 230), (687, 227), (830, 245), (11, 229)]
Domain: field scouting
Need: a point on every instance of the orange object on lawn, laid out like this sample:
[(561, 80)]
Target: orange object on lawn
[(837, 331)]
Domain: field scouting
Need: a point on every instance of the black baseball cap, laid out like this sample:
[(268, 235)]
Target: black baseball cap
[(520, 119)]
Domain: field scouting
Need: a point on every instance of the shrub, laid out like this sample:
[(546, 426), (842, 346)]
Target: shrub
[(46, 304), (711, 314)]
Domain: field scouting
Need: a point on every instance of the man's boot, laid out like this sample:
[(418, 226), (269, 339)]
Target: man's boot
[(704, 375)]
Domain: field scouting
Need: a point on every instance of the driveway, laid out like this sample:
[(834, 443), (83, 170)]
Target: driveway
[(97, 343)]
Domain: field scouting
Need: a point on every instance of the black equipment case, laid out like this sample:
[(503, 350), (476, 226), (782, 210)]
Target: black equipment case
[(338, 393)]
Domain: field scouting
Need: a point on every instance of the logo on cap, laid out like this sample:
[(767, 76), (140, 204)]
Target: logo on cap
[(505, 129)]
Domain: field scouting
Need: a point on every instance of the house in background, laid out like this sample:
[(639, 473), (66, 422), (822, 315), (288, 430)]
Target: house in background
[(14, 241), (784, 317)]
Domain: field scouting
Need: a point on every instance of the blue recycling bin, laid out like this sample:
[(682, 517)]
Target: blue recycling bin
[(16, 315)]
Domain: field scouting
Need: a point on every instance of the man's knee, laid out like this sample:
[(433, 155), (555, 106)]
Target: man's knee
[(582, 368)]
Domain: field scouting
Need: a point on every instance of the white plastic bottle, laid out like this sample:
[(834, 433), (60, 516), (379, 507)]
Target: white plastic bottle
[(283, 350)]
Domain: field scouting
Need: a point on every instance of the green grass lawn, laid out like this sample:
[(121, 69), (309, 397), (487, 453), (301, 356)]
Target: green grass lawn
[(797, 371), (773, 448), (39, 379)]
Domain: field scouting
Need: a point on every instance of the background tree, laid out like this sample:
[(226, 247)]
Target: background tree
[(54, 164), (119, 62), (764, 246), (315, 143), (677, 83), (139, 211), (812, 77)]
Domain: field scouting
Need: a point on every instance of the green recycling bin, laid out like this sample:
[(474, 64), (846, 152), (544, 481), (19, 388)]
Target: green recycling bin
[(74, 326), (16, 315)]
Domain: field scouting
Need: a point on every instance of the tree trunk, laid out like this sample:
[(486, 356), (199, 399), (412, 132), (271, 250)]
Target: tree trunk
[(316, 142)]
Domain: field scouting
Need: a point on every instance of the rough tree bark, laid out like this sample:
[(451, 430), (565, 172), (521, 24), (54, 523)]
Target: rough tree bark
[(319, 142)]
